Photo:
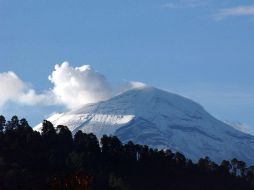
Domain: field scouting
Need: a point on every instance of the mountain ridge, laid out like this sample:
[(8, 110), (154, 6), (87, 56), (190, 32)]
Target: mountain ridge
[(162, 120)]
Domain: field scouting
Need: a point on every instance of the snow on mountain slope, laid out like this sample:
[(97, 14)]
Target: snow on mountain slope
[(161, 120), (241, 127)]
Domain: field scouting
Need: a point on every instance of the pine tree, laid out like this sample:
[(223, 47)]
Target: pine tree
[(2, 123)]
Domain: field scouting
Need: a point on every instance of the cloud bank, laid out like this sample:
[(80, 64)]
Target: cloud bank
[(72, 88)]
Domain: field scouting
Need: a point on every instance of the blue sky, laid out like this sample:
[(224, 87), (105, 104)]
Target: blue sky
[(201, 49)]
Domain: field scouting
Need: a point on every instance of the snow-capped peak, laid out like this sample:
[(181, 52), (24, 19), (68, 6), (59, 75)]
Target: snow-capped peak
[(161, 120)]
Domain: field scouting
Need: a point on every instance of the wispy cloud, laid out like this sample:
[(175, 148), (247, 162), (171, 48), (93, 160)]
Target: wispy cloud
[(169, 5), (184, 3), (234, 11), (241, 127), (194, 3)]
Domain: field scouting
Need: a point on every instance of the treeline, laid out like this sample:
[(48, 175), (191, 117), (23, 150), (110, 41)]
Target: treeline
[(54, 159)]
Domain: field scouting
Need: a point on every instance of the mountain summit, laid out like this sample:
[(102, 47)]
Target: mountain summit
[(161, 120)]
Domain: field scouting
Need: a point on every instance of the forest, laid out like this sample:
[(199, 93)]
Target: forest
[(57, 159)]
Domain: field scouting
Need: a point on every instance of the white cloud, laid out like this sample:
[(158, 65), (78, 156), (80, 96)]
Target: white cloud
[(10, 85), (75, 87), (72, 88), (128, 85), (31, 98), (136, 84), (184, 3), (235, 11), (14, 89)]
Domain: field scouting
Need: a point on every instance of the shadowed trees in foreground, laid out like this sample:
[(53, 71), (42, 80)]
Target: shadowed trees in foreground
[(54, 159)]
